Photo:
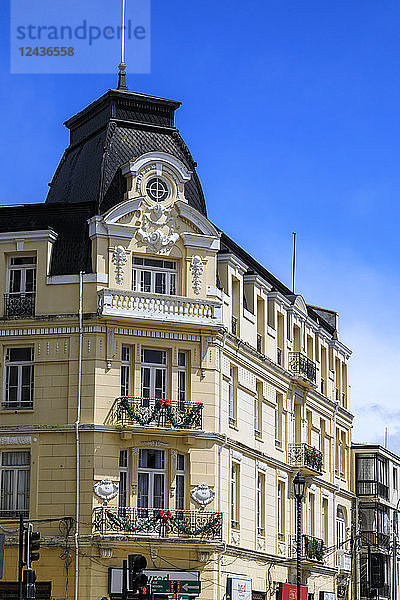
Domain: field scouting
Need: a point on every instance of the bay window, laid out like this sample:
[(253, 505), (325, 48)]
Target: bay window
[(154, 275)]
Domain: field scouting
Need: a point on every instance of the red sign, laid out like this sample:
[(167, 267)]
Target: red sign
[(288, 591)]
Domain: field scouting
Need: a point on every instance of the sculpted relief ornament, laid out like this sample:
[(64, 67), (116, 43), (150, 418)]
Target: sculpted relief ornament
[(105, 489), (158, 229), (196, 266), (119, 260), (202, 494)]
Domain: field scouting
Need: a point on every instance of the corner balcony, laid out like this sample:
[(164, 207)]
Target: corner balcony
[(302, 368), (376, 539), (313, 549), (18, 306), (156, 412), (306, 458), (159, 308), (157, 522), (372, 488)]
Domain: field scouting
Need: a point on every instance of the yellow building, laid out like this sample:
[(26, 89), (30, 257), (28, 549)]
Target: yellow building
[(160, 388)]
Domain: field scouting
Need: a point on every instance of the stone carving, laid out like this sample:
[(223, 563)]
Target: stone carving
[(196, 266), (106, 489), (158, 229), (119, 260), (202, 494), (20, 440)]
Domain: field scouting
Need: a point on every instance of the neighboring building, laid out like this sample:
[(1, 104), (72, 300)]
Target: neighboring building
[(197, 384), (377, 472)]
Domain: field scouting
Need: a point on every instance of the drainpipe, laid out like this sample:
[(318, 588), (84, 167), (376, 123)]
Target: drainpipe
[(77, 422), (221, 447)]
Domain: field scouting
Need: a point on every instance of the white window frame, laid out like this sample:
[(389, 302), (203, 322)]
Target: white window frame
[(153, 367), (126, 370), (232, 397), (261, 504), (123, 478), (23, 268), (151, 476), (324, 520), (340, 528), (19, 404), (171, 276), (180, 476), (183, 377), (16, 469), (281, 506), (235, 503)]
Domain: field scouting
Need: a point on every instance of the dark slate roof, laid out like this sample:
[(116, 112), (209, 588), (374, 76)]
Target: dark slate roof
[(72, 249), (229, 246), (117, 127)]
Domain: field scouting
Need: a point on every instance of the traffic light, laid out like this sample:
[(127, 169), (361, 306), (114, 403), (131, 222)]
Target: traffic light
[(32, 545), (137, 579), (144, 591), (29, 584)]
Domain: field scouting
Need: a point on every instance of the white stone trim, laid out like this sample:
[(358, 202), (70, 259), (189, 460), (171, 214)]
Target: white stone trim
[(134, 166), (199, 240), (48, 235), (20, 440), (87, 278)]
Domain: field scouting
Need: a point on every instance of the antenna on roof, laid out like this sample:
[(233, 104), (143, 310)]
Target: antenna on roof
[(386, 437), (294, 262), (122, 66)]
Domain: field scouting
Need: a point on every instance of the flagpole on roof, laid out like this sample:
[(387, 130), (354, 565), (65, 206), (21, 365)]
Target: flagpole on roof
[(294, 262), (122, 66)]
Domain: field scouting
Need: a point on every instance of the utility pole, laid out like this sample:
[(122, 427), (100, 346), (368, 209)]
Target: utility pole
[(20, 556)]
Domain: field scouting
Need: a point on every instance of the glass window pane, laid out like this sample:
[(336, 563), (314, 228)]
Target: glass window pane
[(145, 281), (154, 356), (16, 459), (181, 359), (159, 387), (160, 283), (30, 280), (19, 354), (146, 382), (143, 490), (22, 490), (180, 492), (15, 281), (158, 496), (180, 462), (7, 491), (172, 284)]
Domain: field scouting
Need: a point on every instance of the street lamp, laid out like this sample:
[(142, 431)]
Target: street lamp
[(299, 485)]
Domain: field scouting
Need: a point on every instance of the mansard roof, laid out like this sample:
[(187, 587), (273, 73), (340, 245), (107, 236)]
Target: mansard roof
[(107, 134)]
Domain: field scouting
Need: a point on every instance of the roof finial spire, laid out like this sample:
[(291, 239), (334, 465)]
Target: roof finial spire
[(122, 66)]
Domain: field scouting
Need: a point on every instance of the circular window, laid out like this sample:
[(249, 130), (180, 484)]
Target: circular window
[(157, 189)]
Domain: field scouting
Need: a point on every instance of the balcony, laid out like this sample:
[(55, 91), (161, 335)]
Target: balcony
[(13, 513), (156, 522), (302, 367), (372, 488), (154, 412), (306, 458), (382, 592), (375, 538), (162, 308), (18, 306), (313, 548)]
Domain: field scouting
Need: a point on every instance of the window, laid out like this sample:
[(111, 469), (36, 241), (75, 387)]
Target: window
[(125, 371), (123, 478), (14, 482), (151, 480), (340, 528), (258, 399), (232, 396), (154, 374), (324, 519), (18, 378), (235, 495), (182, 378), (21, 286), (311, 514), (157, 189), (154, 275), (278, 419), (281, 510), (180, 499), (395, 483), (261, 504)]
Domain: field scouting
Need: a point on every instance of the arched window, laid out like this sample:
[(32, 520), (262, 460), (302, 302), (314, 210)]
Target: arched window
[(340, 527)]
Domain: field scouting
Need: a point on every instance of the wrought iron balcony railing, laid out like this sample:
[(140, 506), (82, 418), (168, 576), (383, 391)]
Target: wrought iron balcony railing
[(313, 548), (375, 538), (157, 522), (13, 513), (302, 366), (382, 592), (372, 488), (159, 307), (304, 456), (157, 412), (20, 305)]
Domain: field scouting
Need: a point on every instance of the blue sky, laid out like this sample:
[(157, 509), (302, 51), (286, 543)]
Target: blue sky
[(291, 111)]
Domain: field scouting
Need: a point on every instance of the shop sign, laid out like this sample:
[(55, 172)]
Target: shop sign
[(327, 596), (238, 588), (288, 591)]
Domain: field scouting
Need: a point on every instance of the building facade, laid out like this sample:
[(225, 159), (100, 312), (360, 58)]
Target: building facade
[(376, 471), (160, 388)]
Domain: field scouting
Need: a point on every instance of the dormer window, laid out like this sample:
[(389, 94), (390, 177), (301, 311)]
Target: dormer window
[(154, 275), (157, 189)]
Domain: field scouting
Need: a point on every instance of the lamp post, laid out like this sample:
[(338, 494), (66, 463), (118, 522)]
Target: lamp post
[(299, 485)]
